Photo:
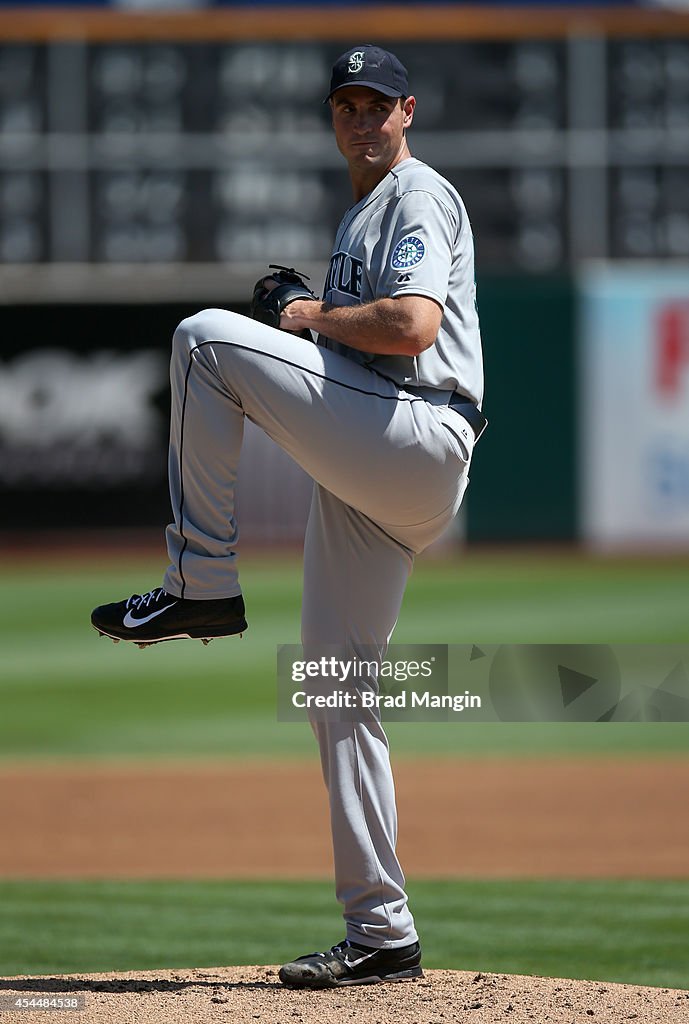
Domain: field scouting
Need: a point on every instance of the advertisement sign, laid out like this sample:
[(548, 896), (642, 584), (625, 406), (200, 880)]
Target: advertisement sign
[(634, 405)]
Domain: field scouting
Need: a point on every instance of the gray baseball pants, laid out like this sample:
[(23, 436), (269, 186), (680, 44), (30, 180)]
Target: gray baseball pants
[(390, 470)]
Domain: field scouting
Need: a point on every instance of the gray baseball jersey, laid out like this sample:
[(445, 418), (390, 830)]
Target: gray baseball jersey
[(411, 236)]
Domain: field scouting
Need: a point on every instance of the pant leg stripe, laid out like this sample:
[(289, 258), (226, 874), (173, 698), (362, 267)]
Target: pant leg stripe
[(315, 373), (181, 474)]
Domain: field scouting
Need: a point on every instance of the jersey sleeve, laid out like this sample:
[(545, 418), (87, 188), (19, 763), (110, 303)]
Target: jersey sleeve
[(417, 244)]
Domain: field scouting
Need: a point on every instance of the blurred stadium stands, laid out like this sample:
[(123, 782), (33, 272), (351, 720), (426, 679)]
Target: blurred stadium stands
[(154, 158)]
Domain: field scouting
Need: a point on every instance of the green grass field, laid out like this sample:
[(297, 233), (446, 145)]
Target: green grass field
[(632, 932), (65, 693)]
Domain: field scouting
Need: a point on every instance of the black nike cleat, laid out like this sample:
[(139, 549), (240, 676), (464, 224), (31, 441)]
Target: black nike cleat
[(151, 618), (349, 963)]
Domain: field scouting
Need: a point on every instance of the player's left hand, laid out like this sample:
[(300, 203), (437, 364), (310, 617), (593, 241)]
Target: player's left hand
[(276, 291)]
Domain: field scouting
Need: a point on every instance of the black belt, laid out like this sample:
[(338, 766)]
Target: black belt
[(471, 413), (460, 403)]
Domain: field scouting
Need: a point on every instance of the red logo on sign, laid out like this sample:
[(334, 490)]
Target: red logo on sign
[(672, 348)]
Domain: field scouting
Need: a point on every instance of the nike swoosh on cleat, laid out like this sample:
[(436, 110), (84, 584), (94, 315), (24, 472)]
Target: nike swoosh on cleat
[(355, 963), (131, 623)]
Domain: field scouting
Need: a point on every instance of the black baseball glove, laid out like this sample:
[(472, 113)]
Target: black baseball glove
[(268, 304)]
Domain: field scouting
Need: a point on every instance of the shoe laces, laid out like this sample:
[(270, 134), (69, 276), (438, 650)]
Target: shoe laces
[(143, 600), (341, 947)]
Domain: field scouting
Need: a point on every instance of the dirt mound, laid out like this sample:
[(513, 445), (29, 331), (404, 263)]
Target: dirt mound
[(246, 995)]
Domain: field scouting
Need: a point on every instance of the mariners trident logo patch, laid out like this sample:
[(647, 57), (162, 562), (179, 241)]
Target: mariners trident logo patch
[(356, 62), (408, 253)]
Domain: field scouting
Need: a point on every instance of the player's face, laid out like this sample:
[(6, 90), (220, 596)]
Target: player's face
[(369, 127)]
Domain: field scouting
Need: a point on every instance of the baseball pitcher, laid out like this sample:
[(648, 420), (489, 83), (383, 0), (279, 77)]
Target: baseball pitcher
[(383, 411)]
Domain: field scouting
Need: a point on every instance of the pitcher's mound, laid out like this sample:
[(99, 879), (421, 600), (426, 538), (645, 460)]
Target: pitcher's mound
[(253, 995)]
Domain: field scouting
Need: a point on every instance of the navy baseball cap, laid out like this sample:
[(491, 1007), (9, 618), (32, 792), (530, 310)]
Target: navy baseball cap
[(372, 66)]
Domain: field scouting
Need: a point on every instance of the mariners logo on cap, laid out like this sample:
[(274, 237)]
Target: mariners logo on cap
[(370, 66), (356, 62), (408, 253)]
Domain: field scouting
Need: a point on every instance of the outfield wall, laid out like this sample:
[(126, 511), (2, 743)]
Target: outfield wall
[(587, 394), (84, 417)]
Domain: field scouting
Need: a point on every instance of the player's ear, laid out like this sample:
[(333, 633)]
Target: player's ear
[(408, 105)]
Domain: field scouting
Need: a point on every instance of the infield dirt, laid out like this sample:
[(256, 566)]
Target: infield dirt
[(537, 817), (594, 817)]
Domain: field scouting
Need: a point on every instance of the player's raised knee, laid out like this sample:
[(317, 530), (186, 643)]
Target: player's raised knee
[(206, 325)]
